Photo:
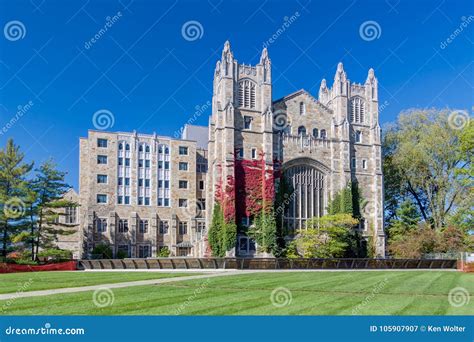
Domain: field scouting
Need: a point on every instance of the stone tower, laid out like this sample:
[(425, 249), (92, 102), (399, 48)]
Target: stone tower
[(240, 126)]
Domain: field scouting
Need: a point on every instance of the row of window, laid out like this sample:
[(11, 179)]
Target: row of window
[(356, 112), (316, 133), (143, 226), (182, 202), (322, 134), (103, 143)]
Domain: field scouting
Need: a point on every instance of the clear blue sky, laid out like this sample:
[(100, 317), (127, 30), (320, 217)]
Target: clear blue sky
[(151, 78)]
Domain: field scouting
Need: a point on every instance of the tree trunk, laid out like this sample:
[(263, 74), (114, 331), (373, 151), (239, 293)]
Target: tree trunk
[(4, 251)]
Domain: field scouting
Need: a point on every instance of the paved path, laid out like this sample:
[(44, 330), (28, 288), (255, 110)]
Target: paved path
[(15, 295)]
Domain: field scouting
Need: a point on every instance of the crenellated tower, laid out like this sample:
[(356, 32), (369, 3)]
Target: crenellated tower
[(241, 124)]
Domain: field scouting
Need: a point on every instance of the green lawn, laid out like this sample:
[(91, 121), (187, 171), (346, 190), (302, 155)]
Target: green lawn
[(312, 293), (34, 281)]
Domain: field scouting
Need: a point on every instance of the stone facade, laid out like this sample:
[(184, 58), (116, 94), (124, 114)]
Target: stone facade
[(320, 144)]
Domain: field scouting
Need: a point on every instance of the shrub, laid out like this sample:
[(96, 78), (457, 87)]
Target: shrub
[(55, 254), (102, 251), (164, 252)]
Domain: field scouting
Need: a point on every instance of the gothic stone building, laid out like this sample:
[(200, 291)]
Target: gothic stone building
[(139, 193)]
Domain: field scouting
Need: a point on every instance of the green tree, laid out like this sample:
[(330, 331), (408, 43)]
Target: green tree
[(406, 219), (216, 231), (326, 237), (264, 231), (50, 188), (429, 160), (342, 203), (13, 189)]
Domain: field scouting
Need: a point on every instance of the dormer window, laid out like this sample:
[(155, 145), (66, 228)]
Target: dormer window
[(247, 94)]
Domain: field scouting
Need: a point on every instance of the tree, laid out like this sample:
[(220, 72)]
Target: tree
[(50, 188), (342, 203), (326, 237), (406, 219), (264, 231), (13, 189), (215, 231), (428, 160), (414, 243)]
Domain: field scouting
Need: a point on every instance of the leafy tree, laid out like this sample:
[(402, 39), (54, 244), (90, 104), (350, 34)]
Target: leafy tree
[(264, 231), (429, 160), (215, 231), (414, 243), (326, 237), (229, 236), (282, 200), (342, 203), (50, 187), (407, 218), (13, 189)]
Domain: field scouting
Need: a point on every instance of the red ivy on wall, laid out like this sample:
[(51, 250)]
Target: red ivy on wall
[(255, 186), (249, 191), (225, 195)]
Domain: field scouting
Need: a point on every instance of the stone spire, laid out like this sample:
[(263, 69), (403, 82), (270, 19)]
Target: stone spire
[(323, 92)]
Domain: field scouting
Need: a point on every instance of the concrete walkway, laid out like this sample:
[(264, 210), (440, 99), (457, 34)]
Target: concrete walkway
[(16, 295)]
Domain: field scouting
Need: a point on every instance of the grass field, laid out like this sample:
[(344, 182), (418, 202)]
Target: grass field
[(30, 281), (290, 293)]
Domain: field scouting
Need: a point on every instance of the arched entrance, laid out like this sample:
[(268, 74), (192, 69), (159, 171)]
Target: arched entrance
[(307, 199)]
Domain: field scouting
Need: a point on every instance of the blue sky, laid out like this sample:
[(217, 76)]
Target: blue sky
[(151, 77)]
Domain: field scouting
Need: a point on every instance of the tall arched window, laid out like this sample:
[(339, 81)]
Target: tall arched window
[(357, 111), (315, 133), (247, 94), (301, 131)]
